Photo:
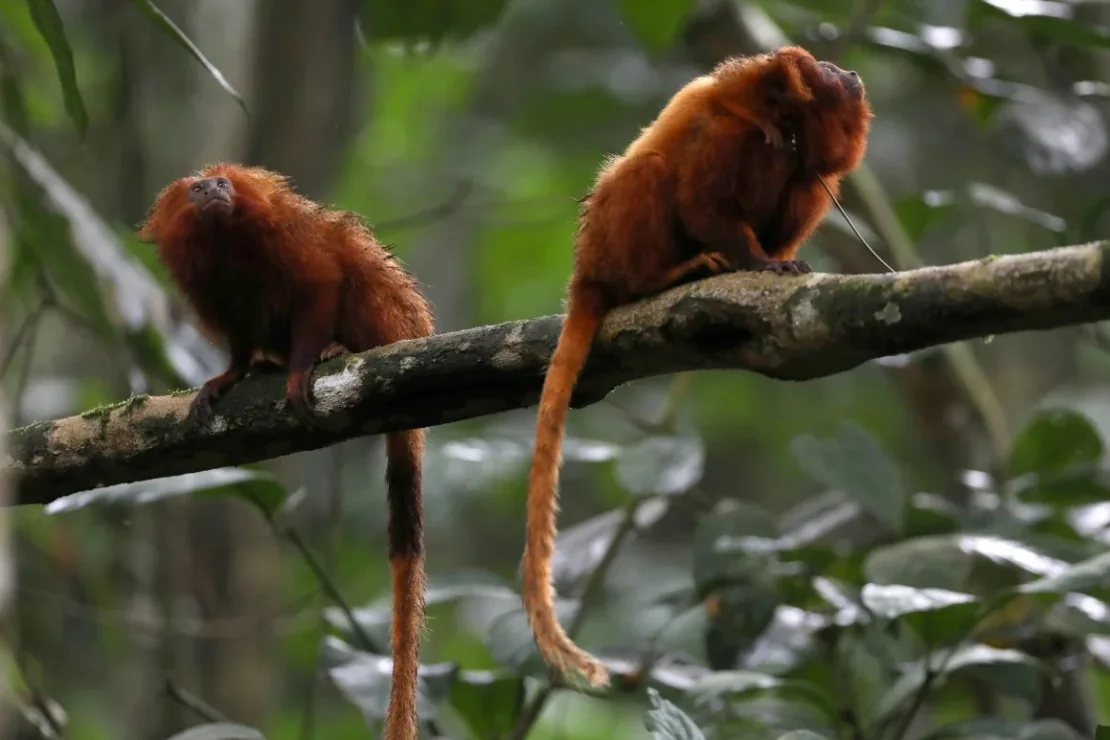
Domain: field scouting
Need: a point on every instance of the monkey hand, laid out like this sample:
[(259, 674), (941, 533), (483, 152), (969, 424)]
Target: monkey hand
[(787, 267), (298, 393), (211, 392)]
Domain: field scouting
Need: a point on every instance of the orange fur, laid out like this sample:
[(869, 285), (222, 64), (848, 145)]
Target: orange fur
[(285, 281), (727, 177)]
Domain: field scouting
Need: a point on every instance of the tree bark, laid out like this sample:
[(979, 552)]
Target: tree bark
[(789, 328)]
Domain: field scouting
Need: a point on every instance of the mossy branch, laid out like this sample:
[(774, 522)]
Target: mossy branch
[(790, 328)]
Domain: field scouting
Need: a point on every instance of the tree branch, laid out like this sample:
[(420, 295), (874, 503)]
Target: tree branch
[(790, 328)]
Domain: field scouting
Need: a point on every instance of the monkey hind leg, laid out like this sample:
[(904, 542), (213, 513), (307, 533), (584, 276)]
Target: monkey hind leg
[(404, 451), (629, 232)]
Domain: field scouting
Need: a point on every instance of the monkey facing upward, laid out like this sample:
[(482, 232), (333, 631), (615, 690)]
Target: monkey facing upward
[(730, 176), (287, 282)]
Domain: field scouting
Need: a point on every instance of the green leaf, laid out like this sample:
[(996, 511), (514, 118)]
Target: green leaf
[(578, 550), (1068, 30), (1003, 729), (662, 465), (49, 24), (965, 657), (938, 615), (512, 644), (668, 722), (802, 735), (1091, 576), (219, 731), (1102, 732), (365, 680), (488, 701), (656, 24), (744, 685), (1053, 441), (254, 486), (957, 562), (855, 463), (732, 544), (163, 21), (93, 266)]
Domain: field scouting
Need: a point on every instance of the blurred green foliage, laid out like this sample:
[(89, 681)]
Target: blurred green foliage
[(795, 561)]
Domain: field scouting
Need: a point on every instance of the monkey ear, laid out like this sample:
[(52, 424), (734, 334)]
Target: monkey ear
[(785, 83)]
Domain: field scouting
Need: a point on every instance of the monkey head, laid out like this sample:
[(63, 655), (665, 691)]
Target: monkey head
[(214, 195)]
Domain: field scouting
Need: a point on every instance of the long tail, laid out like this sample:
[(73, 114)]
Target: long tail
[(404, 451), (585, 310)]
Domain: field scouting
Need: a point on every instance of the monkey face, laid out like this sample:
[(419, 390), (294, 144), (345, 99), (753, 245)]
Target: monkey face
[(212, 195), (847, 80)]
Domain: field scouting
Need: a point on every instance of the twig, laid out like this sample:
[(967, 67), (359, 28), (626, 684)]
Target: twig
[(37, 696), (193, 703), (29, 323), (429, 215)]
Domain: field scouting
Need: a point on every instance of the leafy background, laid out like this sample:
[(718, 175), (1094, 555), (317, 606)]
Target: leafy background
[(917, 548)]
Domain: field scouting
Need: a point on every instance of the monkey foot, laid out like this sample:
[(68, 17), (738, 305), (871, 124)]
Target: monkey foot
[(202, 405), (333, 350), (787, 267)]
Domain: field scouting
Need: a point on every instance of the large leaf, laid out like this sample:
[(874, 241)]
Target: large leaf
[(512, 644), (101, 272), (578, 550), (442, 588), (488, 701), (1054, 440), (657, 24), (661, 466), (49, 24), (733, 543), (365, 680), (742, 685), (965, 657), (257, 487), (1002, 729), (219, 731), (1055, 21), (1091, 576), (168, 26), (668, 722), (855, 463), (958, 563), (936, 614)]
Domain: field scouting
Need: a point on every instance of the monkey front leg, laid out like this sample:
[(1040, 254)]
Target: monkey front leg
[(216, 387), (735, 239), (312, 333)]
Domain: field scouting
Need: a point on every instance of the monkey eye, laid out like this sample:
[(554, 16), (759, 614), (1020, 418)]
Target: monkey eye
[(222, 184), (196, 188)]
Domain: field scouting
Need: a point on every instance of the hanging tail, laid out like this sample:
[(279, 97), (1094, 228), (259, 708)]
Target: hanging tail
[(585, 310), (404, 451)]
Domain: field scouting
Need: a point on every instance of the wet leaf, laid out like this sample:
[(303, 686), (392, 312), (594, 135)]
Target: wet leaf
[(219, 731), (855, 463), (442, 588), (1091, 576), (957, 562), (656, 24), (965, 657), (1053, 441), (163, 21), (365, 679), (988, 196), (668, 722), (512, 644), (937, 615), (743, 685), (1001, 729), (661, 466), (732, 542), (45, 16), (488, 701), (254, 486), (96, 269), (578, 550)]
